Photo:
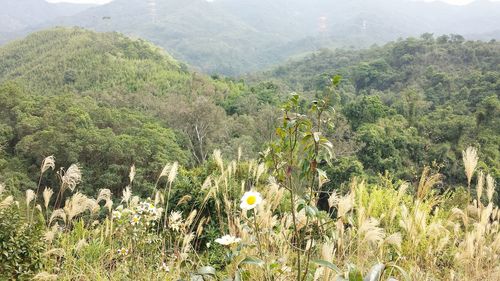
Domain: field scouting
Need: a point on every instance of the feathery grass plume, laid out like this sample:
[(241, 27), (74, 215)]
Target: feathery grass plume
[(490, 187), (395, 240), (47, 194), (218, 159), (345, 204), (79, 203), (105, 195), (185, 199), (479, 187), (30, 195), (164, 172), (56, 252), (49, 235), (59, 213), (72, 177), (173, 172), (45, 276), (470, 159), (81, 244), (131, 174), (333, 199), (240, 152), (127, 194), (6, 202), (48, 163), (427, 182), (158, 198), (370, 232)]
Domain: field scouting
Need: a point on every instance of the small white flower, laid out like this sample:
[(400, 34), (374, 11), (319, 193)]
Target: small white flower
[(227, 240), (122, 251), (135, 220), (250, 200), (151, 208)]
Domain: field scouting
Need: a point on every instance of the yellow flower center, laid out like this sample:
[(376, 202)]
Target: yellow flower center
[(251, 199)]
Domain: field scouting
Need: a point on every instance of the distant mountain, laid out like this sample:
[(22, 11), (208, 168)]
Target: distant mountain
[(234, 37), (20, 15), (16, 15)]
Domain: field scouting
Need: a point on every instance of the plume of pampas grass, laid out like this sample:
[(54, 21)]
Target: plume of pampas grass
[(479, 187), (56, 252), (173, 172), (59, 213), (47, 194), (45, 276), (6, 202), (240, 152), (218, 159), (105, 195), (345, 204), (470, 159), (370, 232), (490, 187), (30, 195), (72, 177), (127, 194), (395, 240), (79, 203), (427, 182), (48, 163), (164, 172), (131, 174)]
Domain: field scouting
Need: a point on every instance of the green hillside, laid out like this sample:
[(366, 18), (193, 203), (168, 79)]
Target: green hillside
[(108, 102), (410, 102)]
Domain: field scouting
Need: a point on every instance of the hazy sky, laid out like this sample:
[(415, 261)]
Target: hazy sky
[(457, 2)]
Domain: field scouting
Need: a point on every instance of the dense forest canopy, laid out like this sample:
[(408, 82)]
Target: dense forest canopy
[(399, 107)]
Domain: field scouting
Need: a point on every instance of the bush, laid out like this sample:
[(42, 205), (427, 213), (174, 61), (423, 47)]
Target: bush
[(21, 245)]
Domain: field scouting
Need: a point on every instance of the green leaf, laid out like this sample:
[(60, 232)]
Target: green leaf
[(206, 270), (326, 264), (375, 272), (252, 261)]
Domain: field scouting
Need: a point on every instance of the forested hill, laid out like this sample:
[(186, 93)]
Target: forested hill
[(410, 102), (107, 102)]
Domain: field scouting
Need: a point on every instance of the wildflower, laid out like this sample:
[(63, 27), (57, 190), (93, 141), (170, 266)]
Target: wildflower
[(227, 240), (250, 200), (135, 220), (122, 251), (151, 208), (117, 215)]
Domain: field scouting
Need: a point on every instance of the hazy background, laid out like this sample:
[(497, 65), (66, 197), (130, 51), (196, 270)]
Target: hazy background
[(235, 37)]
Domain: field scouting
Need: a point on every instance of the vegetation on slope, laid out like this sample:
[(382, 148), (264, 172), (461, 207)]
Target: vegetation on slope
[(112, 101), (410, 103)]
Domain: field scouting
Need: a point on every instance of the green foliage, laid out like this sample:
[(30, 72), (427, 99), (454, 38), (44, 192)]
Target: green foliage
[(21, 245), (413, 102)]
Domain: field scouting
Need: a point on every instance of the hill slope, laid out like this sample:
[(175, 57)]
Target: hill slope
[(232, 37), (411, 101), (109, 101)]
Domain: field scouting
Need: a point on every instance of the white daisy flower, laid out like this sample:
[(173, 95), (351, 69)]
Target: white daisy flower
[(227, 240), (122, 251), (250, 200), (135, 220)]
